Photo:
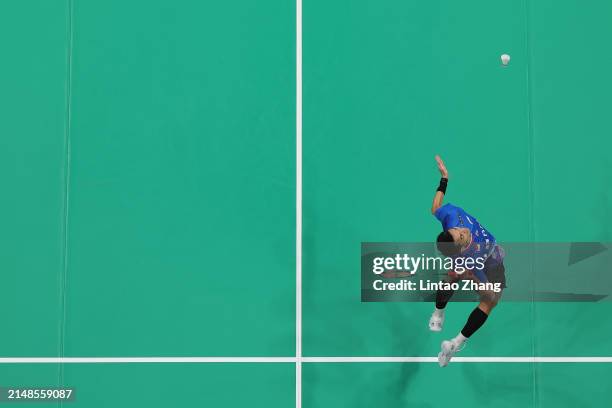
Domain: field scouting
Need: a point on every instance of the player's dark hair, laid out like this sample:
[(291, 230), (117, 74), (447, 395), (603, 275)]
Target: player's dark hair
[(446, 245)]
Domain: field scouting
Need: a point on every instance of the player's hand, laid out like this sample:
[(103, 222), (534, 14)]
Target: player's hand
[(441, 167)]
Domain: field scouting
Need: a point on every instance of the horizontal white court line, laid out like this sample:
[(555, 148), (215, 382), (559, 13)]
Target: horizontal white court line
[(136, 360), (131, 360), (458, 359)]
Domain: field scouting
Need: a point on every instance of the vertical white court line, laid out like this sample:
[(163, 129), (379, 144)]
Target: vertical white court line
[(298, 204), (531, 184), (67, 170)]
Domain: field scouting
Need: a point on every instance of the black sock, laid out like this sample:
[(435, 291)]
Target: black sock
[(475, 321), (442, 298)]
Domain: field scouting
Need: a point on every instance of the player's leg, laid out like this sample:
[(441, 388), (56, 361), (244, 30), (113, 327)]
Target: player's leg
[(488, 301), (436, 321), (475, 321)]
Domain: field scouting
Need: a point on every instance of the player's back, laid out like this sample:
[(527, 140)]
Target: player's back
[(452, 216)]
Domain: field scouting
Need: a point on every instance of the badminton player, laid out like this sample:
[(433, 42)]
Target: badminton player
[(463, 236)]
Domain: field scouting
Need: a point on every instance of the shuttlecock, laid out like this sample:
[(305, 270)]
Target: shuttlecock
[(505, 59)]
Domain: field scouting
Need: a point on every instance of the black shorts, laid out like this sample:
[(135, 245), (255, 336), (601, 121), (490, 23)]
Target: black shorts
[(495, 272)]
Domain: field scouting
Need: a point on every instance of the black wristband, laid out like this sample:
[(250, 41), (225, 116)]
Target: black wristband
[(443, 184)]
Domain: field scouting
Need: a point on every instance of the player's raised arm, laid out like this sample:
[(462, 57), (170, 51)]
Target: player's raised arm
[(439, 197)]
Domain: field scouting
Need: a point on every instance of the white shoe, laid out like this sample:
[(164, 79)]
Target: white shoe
[(436, 321), (449, 349)]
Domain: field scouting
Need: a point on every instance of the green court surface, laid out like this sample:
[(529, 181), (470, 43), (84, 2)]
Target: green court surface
[(163, 385), (148, 162)]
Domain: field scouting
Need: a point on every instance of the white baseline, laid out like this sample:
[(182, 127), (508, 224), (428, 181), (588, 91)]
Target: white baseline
[(140, 360)]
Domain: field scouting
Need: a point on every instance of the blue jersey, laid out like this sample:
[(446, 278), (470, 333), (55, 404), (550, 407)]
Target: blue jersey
[(483, 243)]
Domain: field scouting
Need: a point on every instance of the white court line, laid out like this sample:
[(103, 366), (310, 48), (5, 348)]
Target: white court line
[(137, 360), (298, 203), (140, 360), (458, 360)]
